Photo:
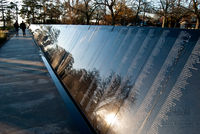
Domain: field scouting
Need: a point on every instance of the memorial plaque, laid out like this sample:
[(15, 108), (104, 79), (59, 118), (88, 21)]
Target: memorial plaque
[(128, 80)]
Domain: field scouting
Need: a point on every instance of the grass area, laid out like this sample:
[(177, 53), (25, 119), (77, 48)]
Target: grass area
[(3, 36), (7, 28)]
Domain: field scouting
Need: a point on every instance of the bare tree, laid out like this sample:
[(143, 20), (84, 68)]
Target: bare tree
[(54, 11), (3, 6), (178, 11), (29, 10), (85, 7), (137, 6), (88, 10), (165, 5), (43, 10), (146, 8), (112, 5), (195, 5)]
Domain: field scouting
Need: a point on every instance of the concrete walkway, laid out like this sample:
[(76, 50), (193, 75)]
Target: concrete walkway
[(29, 100)]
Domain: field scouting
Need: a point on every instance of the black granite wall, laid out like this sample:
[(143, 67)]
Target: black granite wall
[(128, 80)]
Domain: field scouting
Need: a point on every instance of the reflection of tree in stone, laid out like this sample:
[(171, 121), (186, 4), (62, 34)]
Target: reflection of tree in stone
[(93, 93), (47, 36), (94, 75), (80, 82), (60, 60), (112, 98), (98, 94), (116, 90), (47, 39)]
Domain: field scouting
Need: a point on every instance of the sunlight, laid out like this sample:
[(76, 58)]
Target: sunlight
[(110, 118), (25, 62)]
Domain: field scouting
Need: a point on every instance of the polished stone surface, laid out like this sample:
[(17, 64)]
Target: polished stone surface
[(128, 80), (29, 100)]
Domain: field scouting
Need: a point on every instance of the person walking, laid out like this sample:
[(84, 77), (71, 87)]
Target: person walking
[(23, 27), (16, 26)]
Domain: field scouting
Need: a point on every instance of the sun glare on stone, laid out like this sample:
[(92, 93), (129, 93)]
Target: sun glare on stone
[(110, 118)]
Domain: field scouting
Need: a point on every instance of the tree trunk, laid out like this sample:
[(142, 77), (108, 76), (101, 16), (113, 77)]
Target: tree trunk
[(170, 23), (137, 13), (197, 24), (136, 18), (175, 24), (143, 18), (4, 21), (195, 6), (33, 17), (113, 17), (88, 19), (113, 20), (44, 21), (163, 21)]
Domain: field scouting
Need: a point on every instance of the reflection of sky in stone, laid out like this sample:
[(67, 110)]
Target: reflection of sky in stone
[(64, 37)]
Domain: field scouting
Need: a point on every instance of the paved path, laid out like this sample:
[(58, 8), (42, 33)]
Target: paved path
[(29, 101)]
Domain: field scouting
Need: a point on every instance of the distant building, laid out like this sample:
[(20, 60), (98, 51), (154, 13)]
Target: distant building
[(148, 19), (188, 21)]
